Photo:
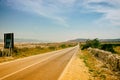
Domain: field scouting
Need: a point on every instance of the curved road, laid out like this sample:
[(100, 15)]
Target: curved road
[(47, 66)]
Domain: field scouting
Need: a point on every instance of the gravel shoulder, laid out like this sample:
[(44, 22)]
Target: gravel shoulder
[(76, 70)]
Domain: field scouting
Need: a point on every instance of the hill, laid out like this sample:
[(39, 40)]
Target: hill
[(26, 40), (101, 40)]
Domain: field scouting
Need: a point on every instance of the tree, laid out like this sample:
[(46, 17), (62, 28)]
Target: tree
[(95, 43), (63, 46), (108, 47)]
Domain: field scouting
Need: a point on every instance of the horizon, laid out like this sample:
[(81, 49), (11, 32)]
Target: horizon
[(16, 40), (60, 20)]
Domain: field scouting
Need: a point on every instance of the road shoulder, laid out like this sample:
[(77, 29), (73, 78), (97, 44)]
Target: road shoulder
[(76, 70)]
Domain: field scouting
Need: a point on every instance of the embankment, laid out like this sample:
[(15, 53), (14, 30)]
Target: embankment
[(111, 60)]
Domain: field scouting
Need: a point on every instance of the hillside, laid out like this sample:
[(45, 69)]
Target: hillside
[(102, 40)]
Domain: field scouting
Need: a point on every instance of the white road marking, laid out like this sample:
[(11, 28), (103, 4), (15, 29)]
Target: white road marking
[(31, 57), (26, 67), (68, 64)]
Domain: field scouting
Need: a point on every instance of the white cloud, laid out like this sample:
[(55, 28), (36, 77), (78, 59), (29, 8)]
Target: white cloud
[(55, 9), (47, 8), (109, 8), (68, 3)]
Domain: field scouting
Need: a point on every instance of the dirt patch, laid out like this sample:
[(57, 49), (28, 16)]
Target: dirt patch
[(77, 70)]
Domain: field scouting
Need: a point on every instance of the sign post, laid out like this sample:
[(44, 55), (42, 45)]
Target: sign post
[(9, 42)]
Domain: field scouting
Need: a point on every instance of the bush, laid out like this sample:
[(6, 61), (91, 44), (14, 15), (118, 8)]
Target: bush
[(70, 45), (16, 50), (39, 47), (0, 53), (52, 48), (107, 47), (63, 46), (24, 49), (91, 43), (96, 44)]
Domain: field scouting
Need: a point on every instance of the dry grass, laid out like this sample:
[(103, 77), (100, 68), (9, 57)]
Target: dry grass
[(117, 50), (28, 49), (24, 52), (97, 69)]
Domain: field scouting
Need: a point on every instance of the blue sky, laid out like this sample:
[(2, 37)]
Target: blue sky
[(60, 20)]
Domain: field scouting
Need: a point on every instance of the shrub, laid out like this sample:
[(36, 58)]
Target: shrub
[(91, 43), (0, 53), (63, 46), (39, 47), (70, 45), (52, 48), (107, 47), (24, 49), (16, 50)]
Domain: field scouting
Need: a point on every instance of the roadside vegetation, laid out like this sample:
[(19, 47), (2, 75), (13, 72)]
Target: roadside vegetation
[(20, 52), (95, 43), (97, 69), (117, 49)]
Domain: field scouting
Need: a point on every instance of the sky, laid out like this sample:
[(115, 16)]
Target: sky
[(60, 20)]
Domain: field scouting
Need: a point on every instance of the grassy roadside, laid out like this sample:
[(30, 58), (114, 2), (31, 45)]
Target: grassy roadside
[(29, 51), (97, 69), (117, 49), (24, 52)]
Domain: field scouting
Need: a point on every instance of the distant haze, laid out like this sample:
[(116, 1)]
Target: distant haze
[(28, 40), (74, 40)]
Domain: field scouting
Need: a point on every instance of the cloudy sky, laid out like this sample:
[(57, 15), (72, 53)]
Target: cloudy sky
[(60, 20)]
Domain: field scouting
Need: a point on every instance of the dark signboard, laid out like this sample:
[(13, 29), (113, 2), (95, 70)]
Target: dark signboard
[(8, 40)]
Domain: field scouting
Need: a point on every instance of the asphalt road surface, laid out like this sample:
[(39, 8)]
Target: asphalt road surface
[(48, 66)]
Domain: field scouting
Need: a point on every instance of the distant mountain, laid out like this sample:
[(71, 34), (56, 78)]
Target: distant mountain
[(30, 40), (110, 40), (102, 40), (26, 40), (78, 40)]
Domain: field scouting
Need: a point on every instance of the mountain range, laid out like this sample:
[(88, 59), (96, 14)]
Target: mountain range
[(27, 40), (101, 40), (74, 40)]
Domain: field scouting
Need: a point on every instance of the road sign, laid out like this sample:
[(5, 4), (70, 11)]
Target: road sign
[(9, 40)]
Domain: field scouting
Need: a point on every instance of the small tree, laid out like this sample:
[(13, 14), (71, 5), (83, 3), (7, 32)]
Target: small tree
[(63, 46), (95, 43), (92, 43), (108, 47)]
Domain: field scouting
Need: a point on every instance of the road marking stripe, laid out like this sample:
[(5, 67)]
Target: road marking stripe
[(65, 69), (31, 56), (28, 67)]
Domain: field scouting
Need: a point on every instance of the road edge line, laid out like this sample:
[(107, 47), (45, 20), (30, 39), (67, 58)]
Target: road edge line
[(27, 67), (67, 66), (19, 59)]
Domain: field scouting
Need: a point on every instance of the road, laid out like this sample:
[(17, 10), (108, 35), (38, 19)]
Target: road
[(48, 66)]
